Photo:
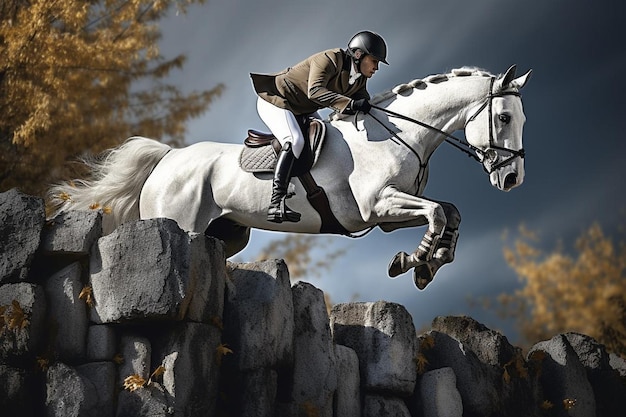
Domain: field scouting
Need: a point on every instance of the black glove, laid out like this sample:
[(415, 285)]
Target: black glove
[(361, 105)]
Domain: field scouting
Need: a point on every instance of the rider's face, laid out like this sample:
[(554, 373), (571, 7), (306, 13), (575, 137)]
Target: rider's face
[(369, 65)]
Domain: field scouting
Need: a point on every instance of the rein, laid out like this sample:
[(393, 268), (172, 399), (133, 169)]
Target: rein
[(460, 144)]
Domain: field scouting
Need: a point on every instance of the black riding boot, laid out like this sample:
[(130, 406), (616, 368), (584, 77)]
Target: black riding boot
[(278, 211)]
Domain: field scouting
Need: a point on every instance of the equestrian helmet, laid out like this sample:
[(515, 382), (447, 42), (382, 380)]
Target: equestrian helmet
[(369, 43)]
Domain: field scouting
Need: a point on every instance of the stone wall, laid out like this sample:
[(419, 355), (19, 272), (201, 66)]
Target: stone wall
[(152, 321)]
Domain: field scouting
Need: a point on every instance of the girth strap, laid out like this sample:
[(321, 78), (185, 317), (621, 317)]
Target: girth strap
[(319, 200)]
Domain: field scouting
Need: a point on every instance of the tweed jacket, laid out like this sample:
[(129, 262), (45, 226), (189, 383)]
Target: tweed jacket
[(317, 82)]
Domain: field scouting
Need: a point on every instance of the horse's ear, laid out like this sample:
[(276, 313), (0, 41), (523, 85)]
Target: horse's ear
[(521, 81), (509, 75)]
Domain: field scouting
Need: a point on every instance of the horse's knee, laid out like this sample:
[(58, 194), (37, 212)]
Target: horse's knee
[(439, 219)]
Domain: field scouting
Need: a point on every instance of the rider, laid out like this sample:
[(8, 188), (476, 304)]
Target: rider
[(334, 78)]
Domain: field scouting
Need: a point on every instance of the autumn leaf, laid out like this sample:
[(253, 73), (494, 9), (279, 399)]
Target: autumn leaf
[(160, 370), (221, 351), (16, 318), (546, 405), (43, 363), (427, 342), (107, 210), (569, 403), (134, 382), (94, 206), (86, 295), (421, 362)]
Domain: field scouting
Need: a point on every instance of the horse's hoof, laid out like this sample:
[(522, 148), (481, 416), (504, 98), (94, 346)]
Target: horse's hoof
[(397, 265), (422, 276)]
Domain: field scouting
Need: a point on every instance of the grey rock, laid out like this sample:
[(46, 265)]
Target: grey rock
[(16, 399), (380, 406), (101, 343), (439, 396), (503, 365), (208, 273), (20, 341), (72, 232), (150, 270), (68, 312), (490, 347), (136, 352), (604, 380), (101, 377), (67, 393), (22, 218), (259, 313), (189, 356), (149, 401), (618, 364), (258, 393), (563, 377), (348, 394), (475, 380), (314, 370), (383, 336)]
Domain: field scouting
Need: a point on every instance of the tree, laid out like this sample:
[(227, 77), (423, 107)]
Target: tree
[(71, 73), (560, 293), (304, 254)]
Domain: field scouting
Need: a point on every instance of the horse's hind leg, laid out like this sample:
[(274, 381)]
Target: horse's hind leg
[(234, 235)]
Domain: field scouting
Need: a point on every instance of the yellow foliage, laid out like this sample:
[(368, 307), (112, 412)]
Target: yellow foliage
[(14, 318), (569, 403), (421, 363), (221, 351), (297, 252), (134, 382), (70, 72), (584, 293), (86, 295), (43, 363), (546, 405)]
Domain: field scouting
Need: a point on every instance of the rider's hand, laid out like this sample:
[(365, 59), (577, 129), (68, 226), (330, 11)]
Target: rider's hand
[(361, 105)]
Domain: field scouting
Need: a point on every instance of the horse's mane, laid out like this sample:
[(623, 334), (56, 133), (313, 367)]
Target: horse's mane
[(423, 82), (378, 98)]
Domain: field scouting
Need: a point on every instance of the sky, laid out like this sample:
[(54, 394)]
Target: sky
[(574, 139)]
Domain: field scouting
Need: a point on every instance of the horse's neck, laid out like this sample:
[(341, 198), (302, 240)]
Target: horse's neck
[(444, 106)]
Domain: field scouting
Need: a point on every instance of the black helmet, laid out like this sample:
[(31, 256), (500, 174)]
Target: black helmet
[(369, 43)]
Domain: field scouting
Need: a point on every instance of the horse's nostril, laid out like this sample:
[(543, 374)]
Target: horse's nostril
[(509, 181)]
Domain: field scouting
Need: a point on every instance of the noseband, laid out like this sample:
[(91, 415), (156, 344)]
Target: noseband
[(462, 145)]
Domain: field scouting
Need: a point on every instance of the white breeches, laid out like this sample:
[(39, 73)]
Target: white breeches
[(283, 125)]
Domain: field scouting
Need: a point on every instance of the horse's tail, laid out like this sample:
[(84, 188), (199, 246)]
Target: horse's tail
[(115, 184)]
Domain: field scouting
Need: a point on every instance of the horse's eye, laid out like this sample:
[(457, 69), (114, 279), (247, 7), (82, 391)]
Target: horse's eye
[(504, 118)]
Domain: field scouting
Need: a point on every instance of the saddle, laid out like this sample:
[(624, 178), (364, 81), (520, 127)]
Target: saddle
[(260, 153), (261, 150)]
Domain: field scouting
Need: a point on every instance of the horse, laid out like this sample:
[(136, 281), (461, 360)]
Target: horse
[(373, 168)]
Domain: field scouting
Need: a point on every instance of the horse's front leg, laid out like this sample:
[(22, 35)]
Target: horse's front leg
[(395, 210), (434, 251), (425, 271)]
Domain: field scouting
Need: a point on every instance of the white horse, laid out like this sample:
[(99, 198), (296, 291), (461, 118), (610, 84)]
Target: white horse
[(373, 167)]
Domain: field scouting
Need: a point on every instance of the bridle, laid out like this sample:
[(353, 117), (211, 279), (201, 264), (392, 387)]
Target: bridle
[(489, 155)]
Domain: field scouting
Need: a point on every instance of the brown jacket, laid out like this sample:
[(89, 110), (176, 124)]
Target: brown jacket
[(317, 82)]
